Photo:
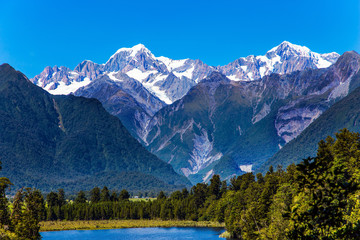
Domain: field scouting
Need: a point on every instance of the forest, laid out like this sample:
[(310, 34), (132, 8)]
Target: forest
[(316, 199)]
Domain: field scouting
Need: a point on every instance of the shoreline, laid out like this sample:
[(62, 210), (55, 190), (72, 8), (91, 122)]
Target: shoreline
[(48, 226)]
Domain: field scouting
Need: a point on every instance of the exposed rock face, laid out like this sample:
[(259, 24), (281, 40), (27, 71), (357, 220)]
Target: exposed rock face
[(219, 117)]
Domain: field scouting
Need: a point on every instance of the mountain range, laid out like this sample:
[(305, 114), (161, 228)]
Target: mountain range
[(207, 120), (70, 142), (162, 80), (246, 122)]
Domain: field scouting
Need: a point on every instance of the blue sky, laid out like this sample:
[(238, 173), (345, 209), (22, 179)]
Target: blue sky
[(35, 34)]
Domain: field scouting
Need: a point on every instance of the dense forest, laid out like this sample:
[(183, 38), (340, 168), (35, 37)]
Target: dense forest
[(316, 199)]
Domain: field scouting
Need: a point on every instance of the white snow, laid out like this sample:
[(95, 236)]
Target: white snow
[(188, 73), (139, 75), (161, 94), (244, 68), (322, 63), (111, 75), (171, 64), (233, 77), (132, 51), (300, 50), (262, 71), (246, 168), (64, 89)]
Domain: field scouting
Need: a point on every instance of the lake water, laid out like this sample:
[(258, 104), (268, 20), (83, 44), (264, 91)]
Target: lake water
[(136, 233)]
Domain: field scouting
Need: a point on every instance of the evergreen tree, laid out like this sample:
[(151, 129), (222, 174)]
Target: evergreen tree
[(105, 195), (214, 187), (61, 203), (161, 195), (28, 228), (17, 210), (95, 195), (52, 202), (114, 197), (4, 208), (124, 195), (80, 198)]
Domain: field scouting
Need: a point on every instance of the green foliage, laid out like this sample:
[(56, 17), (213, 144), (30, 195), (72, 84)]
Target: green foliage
[(95, 195), (105, 195), (4, 209), (72, 143), (80, 198), (327, 183), (28, 211), (124, 195), (317, 199)]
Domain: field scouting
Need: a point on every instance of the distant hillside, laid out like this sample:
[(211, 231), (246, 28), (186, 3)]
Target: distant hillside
[(226, 127), (343, 114), (71, 142)]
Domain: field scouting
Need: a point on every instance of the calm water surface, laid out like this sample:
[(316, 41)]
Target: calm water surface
[(136, 233)]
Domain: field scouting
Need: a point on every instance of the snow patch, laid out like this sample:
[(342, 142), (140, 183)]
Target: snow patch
[(246, 168), (244, 68), (111, 75), (188, 73), (139, 75), (63, 89), (171, 64), (233, 78)]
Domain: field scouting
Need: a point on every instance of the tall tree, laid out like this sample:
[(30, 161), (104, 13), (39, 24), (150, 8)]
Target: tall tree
[(95, 195), (4, 208), (215, 186), (105, 195), (124, 195), (80, 198)]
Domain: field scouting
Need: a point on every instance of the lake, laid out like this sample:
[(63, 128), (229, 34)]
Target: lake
[(174, 233)]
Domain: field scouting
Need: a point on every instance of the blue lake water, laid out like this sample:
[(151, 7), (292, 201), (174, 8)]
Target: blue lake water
[(136, 233)]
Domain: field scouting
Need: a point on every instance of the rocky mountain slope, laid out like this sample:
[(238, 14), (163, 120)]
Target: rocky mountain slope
[(125, 98), (162, 81), (343, 114), (223, 123), (169, 79), (71, 142)]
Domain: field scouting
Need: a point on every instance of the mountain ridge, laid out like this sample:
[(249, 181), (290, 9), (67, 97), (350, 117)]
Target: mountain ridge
[(139, 63), (219, 117), (51, 141)]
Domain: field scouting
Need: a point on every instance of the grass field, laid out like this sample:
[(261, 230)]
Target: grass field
[(141, 199), (113, 224)]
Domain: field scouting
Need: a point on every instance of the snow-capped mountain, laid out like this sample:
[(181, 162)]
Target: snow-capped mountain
[(282, 59), (169, 79), (217, 116)]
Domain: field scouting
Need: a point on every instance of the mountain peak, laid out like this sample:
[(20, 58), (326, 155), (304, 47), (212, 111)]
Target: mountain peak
[(133, 50), (6, 66), (217, 77), (350, 58), (288, 48)]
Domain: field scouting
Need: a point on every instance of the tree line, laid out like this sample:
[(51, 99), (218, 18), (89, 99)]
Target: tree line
[(316, 199)]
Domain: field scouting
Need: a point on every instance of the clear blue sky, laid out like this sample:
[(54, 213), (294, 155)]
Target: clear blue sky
[(35, 34)]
